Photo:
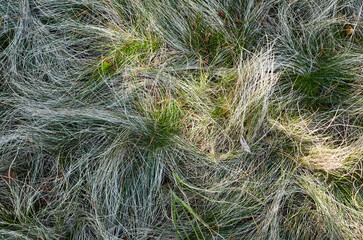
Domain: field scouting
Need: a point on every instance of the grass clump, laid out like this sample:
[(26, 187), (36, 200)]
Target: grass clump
[(329, 82), (181, 119)]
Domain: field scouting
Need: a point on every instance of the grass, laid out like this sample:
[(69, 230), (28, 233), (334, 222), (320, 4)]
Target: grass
[(169, 119)]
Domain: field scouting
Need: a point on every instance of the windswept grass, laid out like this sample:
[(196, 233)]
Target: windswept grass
[(129, 119)]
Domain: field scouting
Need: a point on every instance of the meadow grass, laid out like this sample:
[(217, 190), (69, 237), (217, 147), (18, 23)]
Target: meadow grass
[(188, 119)]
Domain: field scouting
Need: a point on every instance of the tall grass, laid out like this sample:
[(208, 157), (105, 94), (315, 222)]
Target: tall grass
[(128, 119)]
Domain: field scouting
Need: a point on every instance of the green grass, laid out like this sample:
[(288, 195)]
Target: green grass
[(330, 81), (129, 119)]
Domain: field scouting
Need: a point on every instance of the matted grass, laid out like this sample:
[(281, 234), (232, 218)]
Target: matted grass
[(188, 119)]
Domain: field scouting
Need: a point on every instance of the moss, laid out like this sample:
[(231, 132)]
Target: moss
[(139, 49), (133, 52), (130, 52)]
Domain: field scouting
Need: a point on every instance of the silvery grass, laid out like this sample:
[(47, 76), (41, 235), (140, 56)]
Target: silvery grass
[(181, 119)]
